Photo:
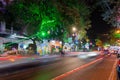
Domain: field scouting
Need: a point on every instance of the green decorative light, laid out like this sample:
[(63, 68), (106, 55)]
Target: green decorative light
[(117, 35), (43, 33), (48, 21)]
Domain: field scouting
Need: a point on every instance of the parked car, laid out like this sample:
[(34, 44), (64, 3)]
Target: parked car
[(118, 67)]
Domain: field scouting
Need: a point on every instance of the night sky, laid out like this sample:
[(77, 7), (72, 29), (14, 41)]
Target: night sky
[(98, 26)]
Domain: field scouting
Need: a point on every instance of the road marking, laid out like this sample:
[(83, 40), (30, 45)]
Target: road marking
[(112, 74), (75, 70)]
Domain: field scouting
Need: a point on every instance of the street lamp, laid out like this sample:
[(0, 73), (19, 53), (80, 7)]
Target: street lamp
[(74, 36), (118, 31), (74, 29)]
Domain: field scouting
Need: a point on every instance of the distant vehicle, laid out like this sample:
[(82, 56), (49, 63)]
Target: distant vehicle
[(113, 51), (106, 51)]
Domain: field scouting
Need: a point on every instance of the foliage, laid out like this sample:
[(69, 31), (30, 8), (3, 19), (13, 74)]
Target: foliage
[(99, 43), (53, 17), (74, 13), (34, 17), (110, 11)]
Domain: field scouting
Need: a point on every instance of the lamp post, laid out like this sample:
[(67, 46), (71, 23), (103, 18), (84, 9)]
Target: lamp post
[(74, 32), (74, 36)]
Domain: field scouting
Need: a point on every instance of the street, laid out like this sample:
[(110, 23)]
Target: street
[(59, 39), (103, 70), (69, 68)]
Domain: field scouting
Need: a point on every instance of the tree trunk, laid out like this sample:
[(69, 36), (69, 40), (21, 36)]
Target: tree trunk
[(34, 46)]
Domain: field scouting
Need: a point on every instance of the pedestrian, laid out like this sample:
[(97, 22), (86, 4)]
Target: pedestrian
[(62, 52)]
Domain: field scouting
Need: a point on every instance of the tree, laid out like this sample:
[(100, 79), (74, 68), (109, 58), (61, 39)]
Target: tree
[(40, 19), (35, 18), (110, 11), (99, 43), (74, 13), (113, 37)]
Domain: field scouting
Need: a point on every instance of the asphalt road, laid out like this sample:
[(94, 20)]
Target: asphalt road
[(102, 70), (55, 68)]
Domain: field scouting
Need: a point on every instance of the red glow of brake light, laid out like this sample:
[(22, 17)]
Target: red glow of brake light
[(118, 62)]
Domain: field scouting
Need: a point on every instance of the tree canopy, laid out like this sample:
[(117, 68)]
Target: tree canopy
[(74, 13), (34, 16), (51, 17)]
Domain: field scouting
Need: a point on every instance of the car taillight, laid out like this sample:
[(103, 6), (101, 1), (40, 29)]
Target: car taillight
[(118, 62)]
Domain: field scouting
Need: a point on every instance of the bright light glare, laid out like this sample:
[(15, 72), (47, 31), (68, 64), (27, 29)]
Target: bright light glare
[(60, 42), (53, 41), (83, 56), (92, 54), (74, 29)]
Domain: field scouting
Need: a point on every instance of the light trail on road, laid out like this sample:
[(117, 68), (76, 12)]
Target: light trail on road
[(71, 68)]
